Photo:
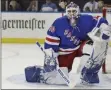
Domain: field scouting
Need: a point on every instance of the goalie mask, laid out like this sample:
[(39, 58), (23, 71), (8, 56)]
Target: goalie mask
[(72, 11)]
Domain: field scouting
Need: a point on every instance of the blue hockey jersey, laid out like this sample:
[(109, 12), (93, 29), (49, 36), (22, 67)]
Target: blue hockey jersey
[(64, 38)]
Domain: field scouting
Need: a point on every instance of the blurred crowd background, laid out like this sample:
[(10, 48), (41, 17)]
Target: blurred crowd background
[(53, 5)]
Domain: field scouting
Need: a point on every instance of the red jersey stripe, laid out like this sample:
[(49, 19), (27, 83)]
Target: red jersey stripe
[(52, 40)]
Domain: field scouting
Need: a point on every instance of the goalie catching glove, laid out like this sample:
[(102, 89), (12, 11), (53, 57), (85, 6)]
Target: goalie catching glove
[(101, 34)]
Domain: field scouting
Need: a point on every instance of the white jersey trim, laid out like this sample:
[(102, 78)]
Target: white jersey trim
[(52, 37), (64, 53), (98, 21), (94, 29), (70, 49), (51, 43)]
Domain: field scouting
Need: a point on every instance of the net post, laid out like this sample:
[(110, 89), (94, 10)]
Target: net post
[(104, 64)]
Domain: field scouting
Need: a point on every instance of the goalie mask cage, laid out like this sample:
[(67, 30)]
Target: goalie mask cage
[(106, 68)]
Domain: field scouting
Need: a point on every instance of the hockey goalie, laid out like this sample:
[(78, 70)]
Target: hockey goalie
[(67, 38)]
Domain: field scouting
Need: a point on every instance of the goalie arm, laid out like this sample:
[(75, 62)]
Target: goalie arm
[(100, 36), (100, 30)]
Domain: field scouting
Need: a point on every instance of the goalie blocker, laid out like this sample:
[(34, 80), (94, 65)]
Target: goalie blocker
[(48, 73)]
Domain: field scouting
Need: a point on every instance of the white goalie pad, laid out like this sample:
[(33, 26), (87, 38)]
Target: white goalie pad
[(100, 50), (83, 59)]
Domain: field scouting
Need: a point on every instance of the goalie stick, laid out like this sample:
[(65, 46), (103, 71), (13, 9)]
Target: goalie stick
[(62, 74)]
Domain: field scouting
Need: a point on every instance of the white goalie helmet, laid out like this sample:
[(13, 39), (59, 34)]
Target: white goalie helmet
[(72, 11)]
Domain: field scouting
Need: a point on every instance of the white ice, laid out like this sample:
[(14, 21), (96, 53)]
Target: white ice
[(15, 57)]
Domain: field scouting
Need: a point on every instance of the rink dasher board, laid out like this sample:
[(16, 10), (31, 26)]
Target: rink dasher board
[(29, 27)]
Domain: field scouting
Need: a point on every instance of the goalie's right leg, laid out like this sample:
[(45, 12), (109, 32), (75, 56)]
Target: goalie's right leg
[(89, 73)]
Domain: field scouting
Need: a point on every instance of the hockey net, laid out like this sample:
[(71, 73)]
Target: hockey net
[(106, 68)]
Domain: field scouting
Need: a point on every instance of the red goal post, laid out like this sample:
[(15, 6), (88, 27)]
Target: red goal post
[(106, 13)]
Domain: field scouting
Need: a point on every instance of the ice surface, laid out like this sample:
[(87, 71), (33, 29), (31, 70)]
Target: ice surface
[(15, 57)]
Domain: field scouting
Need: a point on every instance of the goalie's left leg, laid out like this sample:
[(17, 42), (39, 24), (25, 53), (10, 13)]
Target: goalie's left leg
[(90, 76), (89, 73)]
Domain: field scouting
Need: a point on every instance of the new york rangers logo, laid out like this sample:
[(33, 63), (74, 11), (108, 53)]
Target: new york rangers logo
[(52, 29)]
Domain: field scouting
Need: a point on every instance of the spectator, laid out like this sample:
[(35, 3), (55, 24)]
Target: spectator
[(24, 4), (14, 5), (100, 5), (90, 6), (33, 6), (3, 7), (80, 3), (62, 5), (49, 6)]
